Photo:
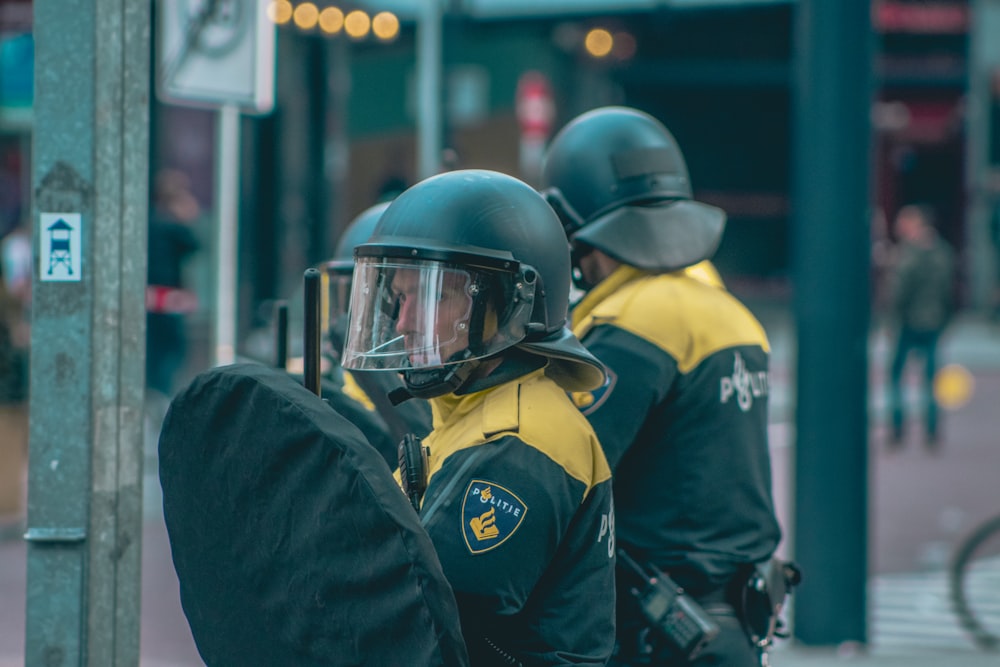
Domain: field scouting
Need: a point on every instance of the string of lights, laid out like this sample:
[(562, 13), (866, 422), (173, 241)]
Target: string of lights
[(332, 20)]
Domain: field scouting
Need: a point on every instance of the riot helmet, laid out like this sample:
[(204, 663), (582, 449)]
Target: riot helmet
[(340, 267), (459, 268), (618, 181)]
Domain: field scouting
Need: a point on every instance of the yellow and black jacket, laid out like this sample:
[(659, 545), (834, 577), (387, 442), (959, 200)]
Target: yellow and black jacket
[(683, 422), (519, 508)]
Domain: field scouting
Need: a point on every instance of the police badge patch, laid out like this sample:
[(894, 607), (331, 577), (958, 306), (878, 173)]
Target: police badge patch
[(490, 515)]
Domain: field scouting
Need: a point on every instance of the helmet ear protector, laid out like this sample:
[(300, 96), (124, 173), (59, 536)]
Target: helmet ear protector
[(570, 219)]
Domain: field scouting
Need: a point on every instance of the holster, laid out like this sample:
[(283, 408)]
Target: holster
[(413, 468), (763, 596)]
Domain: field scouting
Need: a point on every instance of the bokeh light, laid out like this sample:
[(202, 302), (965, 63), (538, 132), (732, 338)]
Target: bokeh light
[(598, 42), (306, 15), (280, 11), (331, 20), (623, 46), (385, 25), (357, 24)]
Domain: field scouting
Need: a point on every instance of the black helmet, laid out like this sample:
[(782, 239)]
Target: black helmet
[(460, 267), (357, 232), (619, 183), (340, 267)]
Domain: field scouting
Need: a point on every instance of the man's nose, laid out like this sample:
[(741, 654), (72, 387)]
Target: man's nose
[(404, 320)]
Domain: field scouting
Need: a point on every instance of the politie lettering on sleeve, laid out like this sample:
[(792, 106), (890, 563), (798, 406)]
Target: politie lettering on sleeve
[(606, 533)]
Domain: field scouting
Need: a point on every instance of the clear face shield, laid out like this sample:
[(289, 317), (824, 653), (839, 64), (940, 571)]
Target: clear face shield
[(337, 301), (338, 292), (416, 314)]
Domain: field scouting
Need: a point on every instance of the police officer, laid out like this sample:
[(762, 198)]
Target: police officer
[(368, 389), (464, 287), (683, 417)]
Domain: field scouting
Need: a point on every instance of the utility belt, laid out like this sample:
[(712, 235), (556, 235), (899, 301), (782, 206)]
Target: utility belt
[(684, 625)]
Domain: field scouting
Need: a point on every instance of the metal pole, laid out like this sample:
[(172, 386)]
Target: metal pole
[(311, 356), (90, 170), (337, 149), (429, 89), (831, 242), (227, 165), (981, 177), (281, 334)]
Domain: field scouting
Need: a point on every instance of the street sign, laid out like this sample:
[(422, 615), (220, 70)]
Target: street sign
[(214, 53), (534, 105)]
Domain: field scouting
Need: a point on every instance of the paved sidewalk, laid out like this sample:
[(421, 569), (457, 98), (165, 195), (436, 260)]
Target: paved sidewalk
[(784, 656)]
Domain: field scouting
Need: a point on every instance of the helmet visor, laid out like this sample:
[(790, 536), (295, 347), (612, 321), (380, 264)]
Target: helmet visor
[(338, 295), (425, 314)]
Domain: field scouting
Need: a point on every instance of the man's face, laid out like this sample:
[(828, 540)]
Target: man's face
[(587, 265), (433, 314), (910, 224)]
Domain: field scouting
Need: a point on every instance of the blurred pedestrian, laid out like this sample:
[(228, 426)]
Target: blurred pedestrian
[(463, 288), (922, 305), (13, 345), (13, 402), (683, 418), (172, 241), (16, 267)]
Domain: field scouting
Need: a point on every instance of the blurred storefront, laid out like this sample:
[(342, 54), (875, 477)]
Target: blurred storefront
[(344, 132), (16, 65), (719, 74)]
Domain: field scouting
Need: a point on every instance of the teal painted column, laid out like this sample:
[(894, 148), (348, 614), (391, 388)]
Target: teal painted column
[(831, 248), (90, 171)]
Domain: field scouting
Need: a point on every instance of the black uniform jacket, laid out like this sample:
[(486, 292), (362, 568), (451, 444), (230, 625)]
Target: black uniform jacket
[(683, 422), (519, 508)]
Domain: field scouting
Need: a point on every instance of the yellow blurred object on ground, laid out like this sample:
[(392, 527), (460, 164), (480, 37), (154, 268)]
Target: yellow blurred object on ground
[(953, 386)]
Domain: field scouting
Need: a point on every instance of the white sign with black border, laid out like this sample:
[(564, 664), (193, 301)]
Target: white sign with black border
[(213, 53), (60, 253)]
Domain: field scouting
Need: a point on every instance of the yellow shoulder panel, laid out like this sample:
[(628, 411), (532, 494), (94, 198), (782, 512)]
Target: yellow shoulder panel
[(706, 272), (549, 422), (536, 411), (684, 316)]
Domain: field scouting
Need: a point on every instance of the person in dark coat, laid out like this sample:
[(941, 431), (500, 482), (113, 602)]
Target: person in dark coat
[(463, 288), (922, 303), (683, 419), (172, 241)]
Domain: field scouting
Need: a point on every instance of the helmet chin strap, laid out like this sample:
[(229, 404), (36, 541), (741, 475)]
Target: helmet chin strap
[(431, 382)]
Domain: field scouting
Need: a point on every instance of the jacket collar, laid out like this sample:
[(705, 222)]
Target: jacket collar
[(623, 275)]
